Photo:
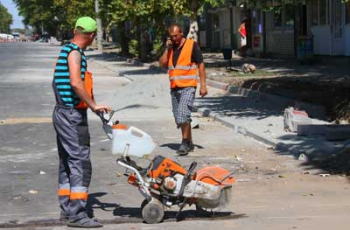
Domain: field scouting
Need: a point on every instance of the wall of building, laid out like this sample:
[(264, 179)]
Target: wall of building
[(279, 42), (347, 40), (321, 38)]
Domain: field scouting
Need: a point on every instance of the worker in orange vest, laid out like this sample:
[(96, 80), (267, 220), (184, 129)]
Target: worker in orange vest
[(184, 60)]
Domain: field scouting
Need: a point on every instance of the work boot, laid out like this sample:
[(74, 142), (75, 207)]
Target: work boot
[(85, 222)]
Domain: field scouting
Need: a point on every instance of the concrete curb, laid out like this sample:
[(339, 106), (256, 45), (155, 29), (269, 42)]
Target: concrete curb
[(205, 112)]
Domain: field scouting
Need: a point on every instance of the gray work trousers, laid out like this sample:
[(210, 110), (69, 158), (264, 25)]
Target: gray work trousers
[(74, 174)]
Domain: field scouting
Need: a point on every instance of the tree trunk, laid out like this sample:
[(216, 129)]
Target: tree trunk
[(124, 44), (193, 32)]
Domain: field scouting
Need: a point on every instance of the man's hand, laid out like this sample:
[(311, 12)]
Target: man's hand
[(168, 44), (203, 91), (101, 108)]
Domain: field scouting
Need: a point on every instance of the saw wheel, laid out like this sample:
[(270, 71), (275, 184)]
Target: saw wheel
[(152, 212)]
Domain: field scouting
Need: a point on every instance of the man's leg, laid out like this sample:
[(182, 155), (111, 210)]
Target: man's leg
[(186, 131), (75, 140), (183, 100), (63, 182)]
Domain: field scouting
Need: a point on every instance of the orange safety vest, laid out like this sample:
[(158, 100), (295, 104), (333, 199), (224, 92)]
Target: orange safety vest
[(184, 74), (89, 85)]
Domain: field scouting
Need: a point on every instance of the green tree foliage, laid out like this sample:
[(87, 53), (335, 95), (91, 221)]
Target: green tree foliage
[(141, 15), (53, 15), (5, 19)]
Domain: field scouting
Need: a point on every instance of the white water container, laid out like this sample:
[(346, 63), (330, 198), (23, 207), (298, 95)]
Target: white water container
[(131, 141)]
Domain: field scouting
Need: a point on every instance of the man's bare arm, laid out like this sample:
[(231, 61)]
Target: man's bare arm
[(163, 60), (74, 63), (203, 89)]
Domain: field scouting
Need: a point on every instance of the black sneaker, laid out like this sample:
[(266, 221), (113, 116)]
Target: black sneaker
[(185, 148)]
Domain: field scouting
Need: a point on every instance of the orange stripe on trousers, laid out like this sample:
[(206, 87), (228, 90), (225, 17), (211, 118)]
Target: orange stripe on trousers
[(78, 196), (63, 192)]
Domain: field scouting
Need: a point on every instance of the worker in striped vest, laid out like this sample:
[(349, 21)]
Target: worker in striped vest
[(72, 84), (184, 61)]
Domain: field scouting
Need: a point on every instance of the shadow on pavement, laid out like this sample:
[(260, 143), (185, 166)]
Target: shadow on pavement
[(330, 160), (94, 203), (238, 106), (176, 146), (133, 212)]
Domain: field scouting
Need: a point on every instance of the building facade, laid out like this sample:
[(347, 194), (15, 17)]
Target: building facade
[(320, 27)]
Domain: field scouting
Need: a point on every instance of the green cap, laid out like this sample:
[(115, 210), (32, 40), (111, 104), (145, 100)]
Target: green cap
[(87, 23)]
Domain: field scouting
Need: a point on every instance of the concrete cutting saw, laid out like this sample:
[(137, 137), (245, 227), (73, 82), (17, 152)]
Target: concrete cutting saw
[(165, 183)]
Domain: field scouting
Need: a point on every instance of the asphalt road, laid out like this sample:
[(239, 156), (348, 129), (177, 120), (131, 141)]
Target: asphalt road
[(28, 154), (272, 191)]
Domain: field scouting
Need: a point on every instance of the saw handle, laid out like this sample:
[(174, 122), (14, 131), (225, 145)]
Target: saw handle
[(106, 120)]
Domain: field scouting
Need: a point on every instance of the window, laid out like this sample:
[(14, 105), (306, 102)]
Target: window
[(215, 22), (277, 17), (284, 16), (347, 13), (323, 12), (314, 12), (319, 12), (289, 16)]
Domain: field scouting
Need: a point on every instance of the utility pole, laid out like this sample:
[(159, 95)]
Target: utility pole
[(99, 27)]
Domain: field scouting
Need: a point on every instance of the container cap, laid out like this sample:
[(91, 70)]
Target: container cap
[(119, 126)]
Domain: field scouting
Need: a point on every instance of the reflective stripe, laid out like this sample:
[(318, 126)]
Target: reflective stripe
[(64, 186), (78, 193), (79, 189), (64, 192), (185, 67), (181, 67), (182, 77), (78, 196)]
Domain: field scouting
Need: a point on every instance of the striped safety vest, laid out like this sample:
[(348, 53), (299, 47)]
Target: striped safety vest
[(184, 74), (61, 75)]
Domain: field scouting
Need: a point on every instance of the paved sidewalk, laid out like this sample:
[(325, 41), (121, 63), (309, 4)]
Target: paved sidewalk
[(260, 115), (255, 114)]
